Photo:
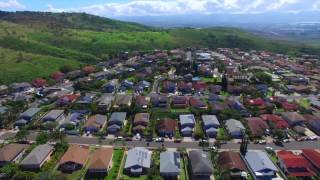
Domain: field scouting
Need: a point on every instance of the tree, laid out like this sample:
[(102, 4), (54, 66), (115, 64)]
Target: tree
[(65, 68), (263, 78), (42, 138), (10, 169), (22, 134)]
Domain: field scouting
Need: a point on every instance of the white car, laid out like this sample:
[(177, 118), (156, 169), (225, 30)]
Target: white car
[(269, 149), (212, 148), (286, 140), (119, 138)]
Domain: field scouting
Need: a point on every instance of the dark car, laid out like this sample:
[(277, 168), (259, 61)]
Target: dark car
[(178, 140), (278, 143)]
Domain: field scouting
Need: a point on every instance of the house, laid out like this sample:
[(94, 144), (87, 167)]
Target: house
[(184, 87), (138, 161), (86, 100), (74, 74), (260, 165), (74, 158), (67, 99), (54, 115), (101, 161), (20, 87), (95, 123), (217, 107), (37, 157), (116, 122), (199, 86), (314, 125), (27, 116), (294, 165), (197, 103), (169, 87), (169, 164), (72, 121), (39, 83), (232, 161), (293, 118), (126, 84), (88, 69), (313, 156), (158, 100), (210, 125), (12, 153), (200, 165), (187, 124), (257, 126), (142, 102), (4, 90), (111, 86), (167, 127), (235, 128), (57, 76), (105, 102), (140, 122), (180, 102), (123, 100), (278, 121)]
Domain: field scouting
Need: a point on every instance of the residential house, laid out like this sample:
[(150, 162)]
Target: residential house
[(187, 124), (257, 126), (95, 123), (111, 86), (116, 122), (199, 86), (235, 128), (57, 76), (170, 164), (260, 165), (200, 165), (293, 118), (278, 121), (39, 83), (74, 74), (27, 117), (54, 116), (72, 121), (158, 100), (138, 161), (313, 156), (12, 153), (197, 103), (37, 157), (74, 158), (101, 161), (184, 87), (232, 161), (67, 99), (210, 125), (294, 165), (123, 100), (180, 102), (126, 84), (86, 100), (20, 87), (142, 102), (314, 125), (140, 122), (4, 90), (169, 87), (167, 127), (105, 102)]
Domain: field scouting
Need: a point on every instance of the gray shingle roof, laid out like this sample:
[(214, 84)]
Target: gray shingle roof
[(53, 115), (187, 119), (37, 155), (30, 112), (200, 162), (138, 157), (210, 120), (259, 161), (118, 117), (234, 125), (170, 162)]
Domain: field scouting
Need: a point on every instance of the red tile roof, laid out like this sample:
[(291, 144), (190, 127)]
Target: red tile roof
[(277, 120), (39, 82), (313, 156)]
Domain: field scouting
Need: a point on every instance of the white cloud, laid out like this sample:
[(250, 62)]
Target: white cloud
[(11, 4), (176, 7)]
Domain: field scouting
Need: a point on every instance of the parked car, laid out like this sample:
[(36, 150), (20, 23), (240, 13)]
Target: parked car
[(278, 143), (262, 142), (178, 140), (160, 139), (269, 149), (286, 141)]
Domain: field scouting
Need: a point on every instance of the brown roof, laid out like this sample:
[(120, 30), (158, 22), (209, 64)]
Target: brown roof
[(75, 154), (167, 124), (231, 160), (141, 117), (10, 151), (101, 158)]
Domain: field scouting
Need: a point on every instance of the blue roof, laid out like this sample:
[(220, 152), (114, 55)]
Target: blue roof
[(259, 161), (187, 119)]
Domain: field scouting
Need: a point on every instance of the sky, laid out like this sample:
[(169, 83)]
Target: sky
[(115, 8)]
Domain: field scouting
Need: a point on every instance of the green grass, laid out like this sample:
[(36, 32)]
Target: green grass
[(183, 175), (117, 157), (222, 134), (180, 110), (125, 177), (47, 41)]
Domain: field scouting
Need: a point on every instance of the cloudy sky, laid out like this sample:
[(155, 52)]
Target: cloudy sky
[(113, 8)]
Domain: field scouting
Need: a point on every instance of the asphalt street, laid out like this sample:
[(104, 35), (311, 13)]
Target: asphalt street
[(294, 145)]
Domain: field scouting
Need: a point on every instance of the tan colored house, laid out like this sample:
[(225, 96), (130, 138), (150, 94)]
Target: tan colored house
[(74, 159), (12, 153), (101, 161)]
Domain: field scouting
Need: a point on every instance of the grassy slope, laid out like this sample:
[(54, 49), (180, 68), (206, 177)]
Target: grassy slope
[(50, 40)]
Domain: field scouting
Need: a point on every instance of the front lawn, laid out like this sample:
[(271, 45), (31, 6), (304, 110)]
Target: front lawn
[(180, 110), (116, 163)]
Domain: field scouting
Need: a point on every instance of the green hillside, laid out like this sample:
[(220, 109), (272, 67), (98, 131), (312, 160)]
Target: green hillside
[(36, 44)]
